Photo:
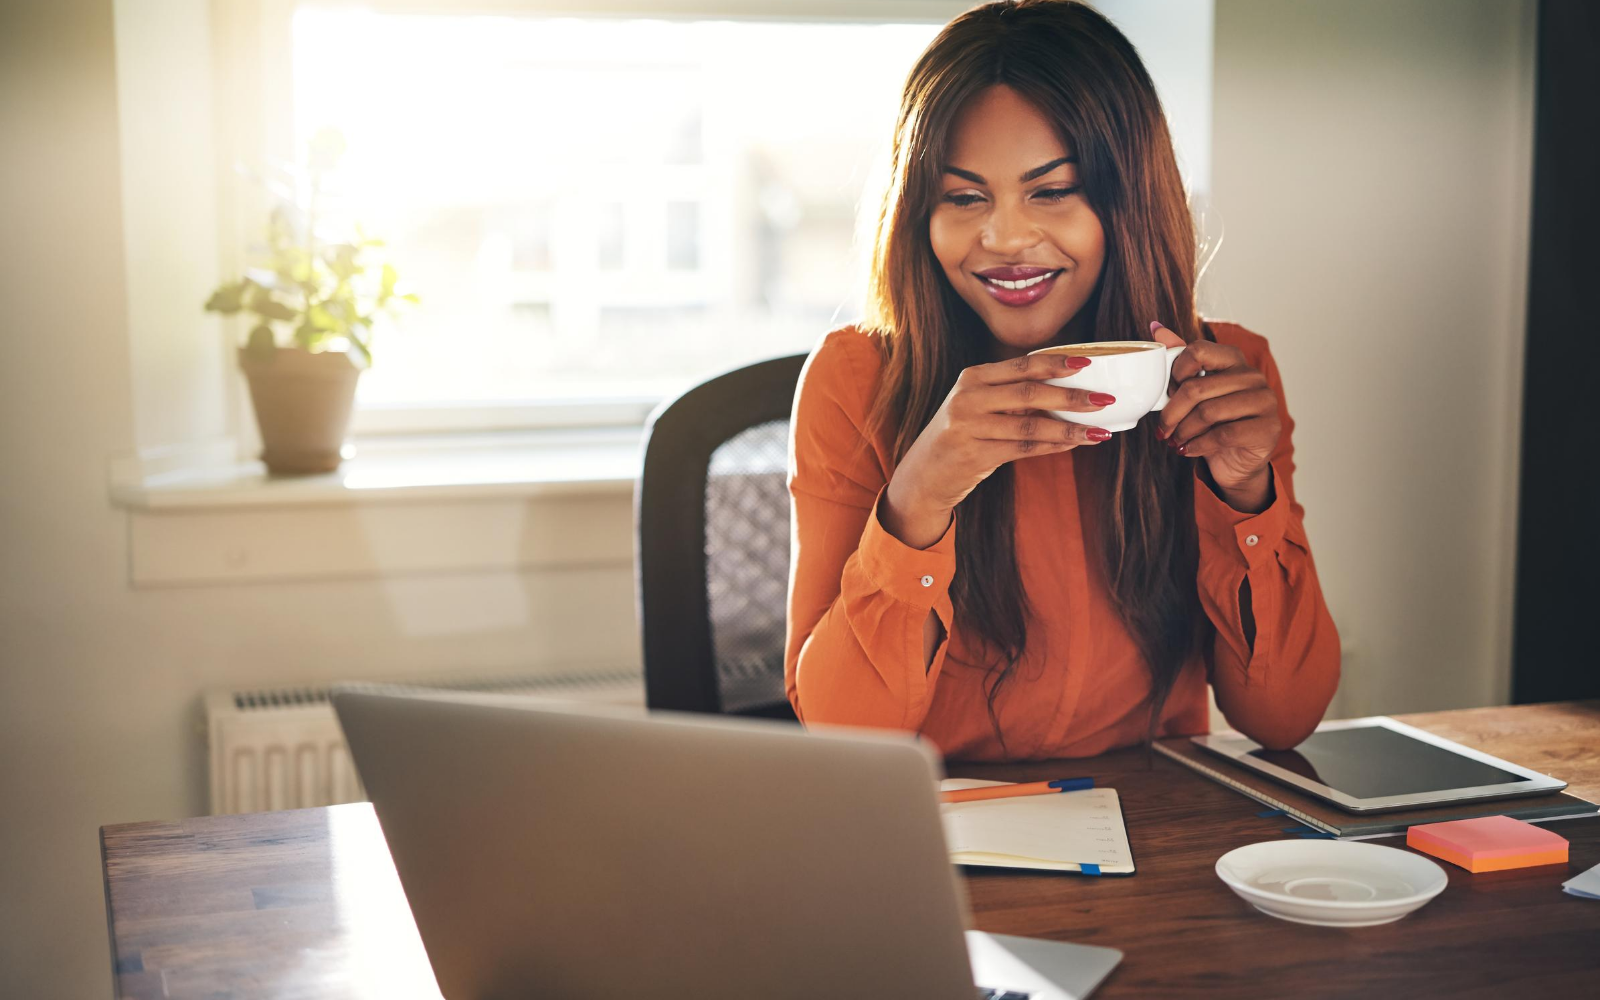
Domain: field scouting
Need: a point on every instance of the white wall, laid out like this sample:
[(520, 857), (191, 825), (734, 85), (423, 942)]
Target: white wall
[(64, 406), (1174, 41), (169, 210), (1368, 158), (1371, 173)]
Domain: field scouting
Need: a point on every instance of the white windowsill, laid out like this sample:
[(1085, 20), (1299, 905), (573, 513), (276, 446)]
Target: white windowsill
[(490, 503), (602, 461)]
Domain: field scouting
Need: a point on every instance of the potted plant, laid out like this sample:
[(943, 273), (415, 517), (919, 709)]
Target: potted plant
[(314, 302)]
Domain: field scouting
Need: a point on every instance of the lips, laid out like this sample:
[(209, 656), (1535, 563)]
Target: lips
[(1022, 286)]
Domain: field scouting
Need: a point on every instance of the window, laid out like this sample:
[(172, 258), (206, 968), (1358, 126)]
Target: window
[(598, 210)]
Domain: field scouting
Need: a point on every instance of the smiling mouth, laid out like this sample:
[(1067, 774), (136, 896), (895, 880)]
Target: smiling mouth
[(1037, 279), (1020, 292)]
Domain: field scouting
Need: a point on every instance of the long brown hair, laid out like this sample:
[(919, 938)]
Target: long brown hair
[(1083, 75)]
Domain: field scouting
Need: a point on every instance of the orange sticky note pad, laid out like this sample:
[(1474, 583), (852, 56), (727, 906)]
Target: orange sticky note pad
[(1489, 843)]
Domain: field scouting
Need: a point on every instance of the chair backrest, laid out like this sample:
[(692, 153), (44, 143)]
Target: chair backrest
[(711, 561)]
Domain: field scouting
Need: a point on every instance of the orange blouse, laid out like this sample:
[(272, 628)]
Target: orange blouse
[(859, 598)]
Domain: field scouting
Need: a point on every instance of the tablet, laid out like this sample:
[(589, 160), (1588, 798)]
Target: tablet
[(1376, 763)]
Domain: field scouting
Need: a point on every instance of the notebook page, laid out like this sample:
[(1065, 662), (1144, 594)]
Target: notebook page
[(1074, 827)]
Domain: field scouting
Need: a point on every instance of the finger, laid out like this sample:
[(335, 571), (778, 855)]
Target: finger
[(1000, 452), (1231, 435), (1203, 354), (1165, 337), (1029, 395), (1029, 366), (1210, 412), (1197, 390), (1036, 426)]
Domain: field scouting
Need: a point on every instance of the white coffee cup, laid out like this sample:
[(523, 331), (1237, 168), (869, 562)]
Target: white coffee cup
[(1134, 371)]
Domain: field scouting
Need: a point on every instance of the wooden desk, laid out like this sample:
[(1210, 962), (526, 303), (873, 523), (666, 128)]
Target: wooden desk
[(306, 904)]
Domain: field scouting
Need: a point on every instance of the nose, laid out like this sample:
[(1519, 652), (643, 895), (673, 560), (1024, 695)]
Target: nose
[(1009, 230)]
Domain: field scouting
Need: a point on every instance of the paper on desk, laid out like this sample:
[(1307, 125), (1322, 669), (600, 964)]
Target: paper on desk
[(1586, 885), (1062, 830)]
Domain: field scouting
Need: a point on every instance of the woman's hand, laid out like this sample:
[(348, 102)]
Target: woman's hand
[(991, 417), (1229, 417)]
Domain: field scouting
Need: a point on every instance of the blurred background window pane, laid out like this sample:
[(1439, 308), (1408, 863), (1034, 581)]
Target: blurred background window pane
[(600, 208)]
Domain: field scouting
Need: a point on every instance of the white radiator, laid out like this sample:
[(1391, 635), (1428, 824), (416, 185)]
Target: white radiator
[(281, 748)]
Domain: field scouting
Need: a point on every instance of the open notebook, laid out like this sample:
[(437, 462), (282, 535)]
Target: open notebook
[(1064, 831)]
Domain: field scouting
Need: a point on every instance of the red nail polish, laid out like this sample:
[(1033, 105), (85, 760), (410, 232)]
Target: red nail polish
[(1161, 432), (1102, 398), (1077, 362), (1183, 448), (1099, 434)]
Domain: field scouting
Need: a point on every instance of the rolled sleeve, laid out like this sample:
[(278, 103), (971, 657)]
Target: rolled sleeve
[(1253, 538), (920, 578)]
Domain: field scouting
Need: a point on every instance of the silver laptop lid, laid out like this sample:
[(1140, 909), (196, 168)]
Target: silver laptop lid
[(565, 851)]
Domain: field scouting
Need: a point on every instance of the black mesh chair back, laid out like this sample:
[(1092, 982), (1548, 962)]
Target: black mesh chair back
[(711, 512)]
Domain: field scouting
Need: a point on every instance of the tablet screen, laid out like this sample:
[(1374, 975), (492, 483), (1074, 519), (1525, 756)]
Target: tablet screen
[(1373, 762)]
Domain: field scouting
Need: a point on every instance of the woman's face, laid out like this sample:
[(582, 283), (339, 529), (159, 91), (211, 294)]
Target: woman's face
[(1011, 210)]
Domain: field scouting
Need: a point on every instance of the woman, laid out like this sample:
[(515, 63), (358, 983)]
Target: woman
[(1010, 585)]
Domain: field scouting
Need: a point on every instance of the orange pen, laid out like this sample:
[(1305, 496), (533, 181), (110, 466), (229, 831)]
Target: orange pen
[(1023, 788)]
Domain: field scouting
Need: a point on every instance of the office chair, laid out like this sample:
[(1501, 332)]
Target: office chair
[(711, 566)]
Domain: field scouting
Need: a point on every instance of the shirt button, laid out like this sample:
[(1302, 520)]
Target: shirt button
[(1252, 539), (927, 581)]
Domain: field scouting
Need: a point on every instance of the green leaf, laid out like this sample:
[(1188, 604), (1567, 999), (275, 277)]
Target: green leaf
[(228, 299), (262, 345), (411, 297), (361, 346), (320, 318), (273, 309), (299, 266), (342, 261), (263, 304)]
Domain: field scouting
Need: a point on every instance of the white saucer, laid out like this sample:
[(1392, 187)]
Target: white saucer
[(1331, 883)]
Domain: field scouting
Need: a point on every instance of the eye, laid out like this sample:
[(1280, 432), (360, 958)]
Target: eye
[(961, 200), (1058, 194)]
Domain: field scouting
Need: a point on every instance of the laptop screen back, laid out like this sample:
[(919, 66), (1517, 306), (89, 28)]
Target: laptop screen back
[(564, 852)]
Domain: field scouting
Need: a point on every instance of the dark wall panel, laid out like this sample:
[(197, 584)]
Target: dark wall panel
[(1555, 654)]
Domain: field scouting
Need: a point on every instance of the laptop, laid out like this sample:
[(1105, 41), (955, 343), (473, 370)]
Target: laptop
[(576, 851)]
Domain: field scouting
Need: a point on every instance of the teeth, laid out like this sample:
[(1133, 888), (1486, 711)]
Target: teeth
[(1029, 283)]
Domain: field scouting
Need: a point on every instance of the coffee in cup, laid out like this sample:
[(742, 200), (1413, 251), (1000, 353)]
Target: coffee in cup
[(1134, 371), (1097, 350)]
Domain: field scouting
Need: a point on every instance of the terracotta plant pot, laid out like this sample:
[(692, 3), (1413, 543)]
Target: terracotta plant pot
[(303, 403)]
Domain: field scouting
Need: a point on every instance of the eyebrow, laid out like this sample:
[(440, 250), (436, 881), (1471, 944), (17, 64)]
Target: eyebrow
[(1036, 172)]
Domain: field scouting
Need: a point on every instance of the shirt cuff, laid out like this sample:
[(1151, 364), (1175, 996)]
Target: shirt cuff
[(1256, 537), (918, 577)]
